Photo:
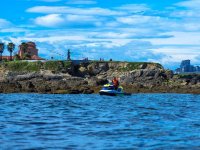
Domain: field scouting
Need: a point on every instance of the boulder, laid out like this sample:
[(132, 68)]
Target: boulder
[(98, 67), (101, 81), (143, 66), (27, 86), (28, 76), (52, 77), (149, 72)]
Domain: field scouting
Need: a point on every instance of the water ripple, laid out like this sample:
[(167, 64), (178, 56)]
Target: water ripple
[(147, 121)]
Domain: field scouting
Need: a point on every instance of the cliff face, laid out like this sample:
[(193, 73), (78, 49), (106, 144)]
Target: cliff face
[(64, 77)]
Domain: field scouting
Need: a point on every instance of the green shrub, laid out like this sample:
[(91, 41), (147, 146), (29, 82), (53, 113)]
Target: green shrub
[(186, 76), (36, 66), (136, 65), (33, 66), (56, 65), (52, 65), (22, 66)]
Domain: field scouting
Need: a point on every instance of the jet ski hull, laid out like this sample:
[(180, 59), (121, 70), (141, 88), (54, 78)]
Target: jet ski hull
[(113, 93)]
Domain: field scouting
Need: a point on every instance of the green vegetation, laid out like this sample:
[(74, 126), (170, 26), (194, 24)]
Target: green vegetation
[(56, 65), (139, 65), (185, 76), (135, 65), (130, 65), (59, 66), (22, 66), (105, 61), (11, 47)]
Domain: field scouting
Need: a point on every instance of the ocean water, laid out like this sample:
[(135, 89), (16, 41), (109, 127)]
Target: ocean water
[(140, 121)]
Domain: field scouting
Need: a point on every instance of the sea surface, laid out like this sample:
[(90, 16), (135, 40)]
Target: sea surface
[(92, 122)]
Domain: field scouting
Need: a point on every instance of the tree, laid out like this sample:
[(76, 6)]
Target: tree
[(16, 57), (26, 53), (24, 47), (11, 47), (1, 50), (27, 56)]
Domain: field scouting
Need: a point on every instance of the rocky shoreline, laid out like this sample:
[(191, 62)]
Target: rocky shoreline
[(61, 77)]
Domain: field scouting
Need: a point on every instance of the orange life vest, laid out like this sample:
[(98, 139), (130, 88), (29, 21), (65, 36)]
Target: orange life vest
[(115, 82)]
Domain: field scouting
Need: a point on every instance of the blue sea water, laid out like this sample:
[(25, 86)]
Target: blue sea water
[(140, 121)]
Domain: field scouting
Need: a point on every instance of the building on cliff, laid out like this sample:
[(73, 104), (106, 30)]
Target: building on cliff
[(186, 67), (29, 51), (7, 58)]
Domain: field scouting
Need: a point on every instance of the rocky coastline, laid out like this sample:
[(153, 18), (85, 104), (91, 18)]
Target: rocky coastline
[(61, 77)]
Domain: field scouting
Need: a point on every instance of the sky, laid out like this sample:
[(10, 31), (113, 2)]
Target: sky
[(163, 31)]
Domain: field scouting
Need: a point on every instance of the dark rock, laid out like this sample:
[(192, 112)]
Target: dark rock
[(101, 81), (148, 72), (52, 77), (96, 68), (27, 86), (10, 87), (88, 78), (137, 73), (169, 74), (28, 76), (74, 92), (88, 91), (143, 66), (128, 80), (193, 81)]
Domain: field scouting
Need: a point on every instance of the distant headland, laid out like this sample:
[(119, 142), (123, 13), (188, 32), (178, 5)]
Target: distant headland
[(23, 75), (60, 77)]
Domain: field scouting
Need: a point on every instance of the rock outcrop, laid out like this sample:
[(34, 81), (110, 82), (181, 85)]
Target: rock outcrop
[(87, 78)]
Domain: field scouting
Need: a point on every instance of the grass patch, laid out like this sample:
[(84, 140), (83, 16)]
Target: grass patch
[(185, 76), (26, 66), (130, 65), (56, 65), (22, 66), (137, 65), (134, 65)]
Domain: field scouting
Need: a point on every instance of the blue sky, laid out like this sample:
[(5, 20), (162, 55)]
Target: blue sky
[(165, 31)]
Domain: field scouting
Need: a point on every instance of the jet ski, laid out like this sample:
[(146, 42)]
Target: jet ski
[(110, 90)]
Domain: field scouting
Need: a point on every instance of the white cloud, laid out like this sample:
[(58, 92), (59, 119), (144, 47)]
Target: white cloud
[(50, 0), (137, 19), (178, 38), (186, 13), (134, 8), (85, 2), (13, 30), (61, 20), (144, 22), (191, 9), (136, 32), (4, 23), (72, 1), (192, 4), (52, 20), (73, 10), (174, 55), (80, 18)]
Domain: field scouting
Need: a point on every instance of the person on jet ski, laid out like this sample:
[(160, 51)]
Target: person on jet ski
[(115, 82)]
